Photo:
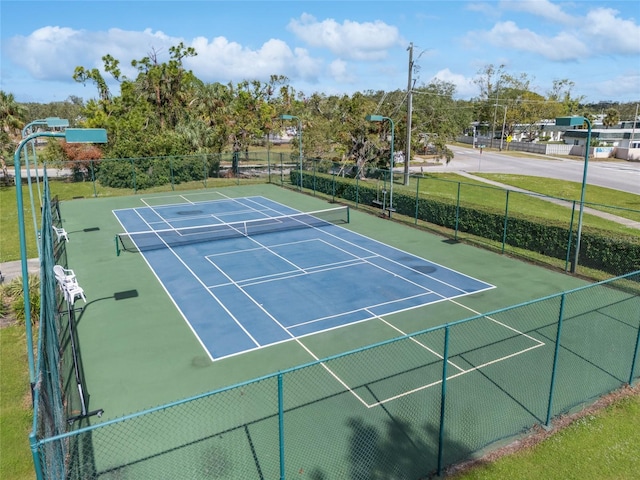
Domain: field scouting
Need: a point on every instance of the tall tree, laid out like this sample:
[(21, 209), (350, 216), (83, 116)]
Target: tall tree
[(611, 118), (167, 85), (12, 120)]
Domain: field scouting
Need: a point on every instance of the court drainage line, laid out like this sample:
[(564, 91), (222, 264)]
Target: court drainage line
[(205, 287)]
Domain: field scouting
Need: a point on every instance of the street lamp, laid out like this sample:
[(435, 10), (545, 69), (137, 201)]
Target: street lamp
[(572, 122), (72, 135), (380, 118), (293, 117)]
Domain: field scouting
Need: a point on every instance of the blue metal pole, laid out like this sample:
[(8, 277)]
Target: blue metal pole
[(33, 207), (443, 400), (23, 248), (300, 142), (281, 425), (635, 358), (582, 194), (555, 361), (391, 186)]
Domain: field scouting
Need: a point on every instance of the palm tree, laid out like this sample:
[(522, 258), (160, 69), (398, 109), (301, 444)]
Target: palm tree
[(11, 113), (611, 118), (11, 122)]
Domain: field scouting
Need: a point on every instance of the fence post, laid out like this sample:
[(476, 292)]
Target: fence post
[(333, 186), (133, 171), (417, 198), (455, 234), (37, 466), (171, 173), (573, 212), (443, 398), (205, 172), (93, 179), (357, 187), (281, 425), (268, 161), (635, 358), (555, 360), (315, 163), (506, 221)]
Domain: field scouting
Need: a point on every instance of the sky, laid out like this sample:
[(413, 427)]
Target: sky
[(330, 47)]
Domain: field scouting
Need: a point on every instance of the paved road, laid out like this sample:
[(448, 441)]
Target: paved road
[(619, 175)]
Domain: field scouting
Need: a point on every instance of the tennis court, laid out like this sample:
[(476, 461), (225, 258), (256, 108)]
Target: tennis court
[(259, 333), (248, 272)]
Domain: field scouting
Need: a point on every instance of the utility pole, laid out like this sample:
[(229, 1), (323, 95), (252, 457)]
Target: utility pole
[(407, 153)]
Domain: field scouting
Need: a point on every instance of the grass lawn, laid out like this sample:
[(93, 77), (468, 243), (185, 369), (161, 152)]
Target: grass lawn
[(628, 204), (599, 445), (15, 406)]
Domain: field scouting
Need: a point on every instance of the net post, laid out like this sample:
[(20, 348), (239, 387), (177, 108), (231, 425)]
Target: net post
[(117, 246), (555, 360)]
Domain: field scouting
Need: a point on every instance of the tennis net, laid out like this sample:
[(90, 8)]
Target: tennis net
[(175, 237)]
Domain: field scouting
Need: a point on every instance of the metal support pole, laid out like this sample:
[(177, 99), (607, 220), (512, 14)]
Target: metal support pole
[(582, 195), (23, 249), (407, 153)]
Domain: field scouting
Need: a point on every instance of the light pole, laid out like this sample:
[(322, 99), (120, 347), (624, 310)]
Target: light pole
[(72, 135), (294, 117), (380, 118), (504, 122), (49, 122), (572, 122)]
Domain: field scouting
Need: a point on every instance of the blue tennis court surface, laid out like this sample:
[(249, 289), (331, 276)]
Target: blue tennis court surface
[(251, 291)]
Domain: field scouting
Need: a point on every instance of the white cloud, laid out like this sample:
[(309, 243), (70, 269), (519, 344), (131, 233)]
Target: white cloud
[(626, 85), (611, 34), (222, 60), (465, 87), (352, 40), (339, 71), (507, 35), (600, 32), (52, 53), (540, 8)]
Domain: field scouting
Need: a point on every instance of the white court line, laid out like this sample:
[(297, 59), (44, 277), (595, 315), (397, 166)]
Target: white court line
[(424, 387), (419, 343), (209, 291), (409, 392), (293, 337), (366, 309), (404, 266)]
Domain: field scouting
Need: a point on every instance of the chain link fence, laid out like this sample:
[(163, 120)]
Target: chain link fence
[(508, 221), (405, 408)]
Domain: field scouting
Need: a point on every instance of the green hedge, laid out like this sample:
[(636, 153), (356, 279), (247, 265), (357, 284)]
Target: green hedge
[(598, 250)]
